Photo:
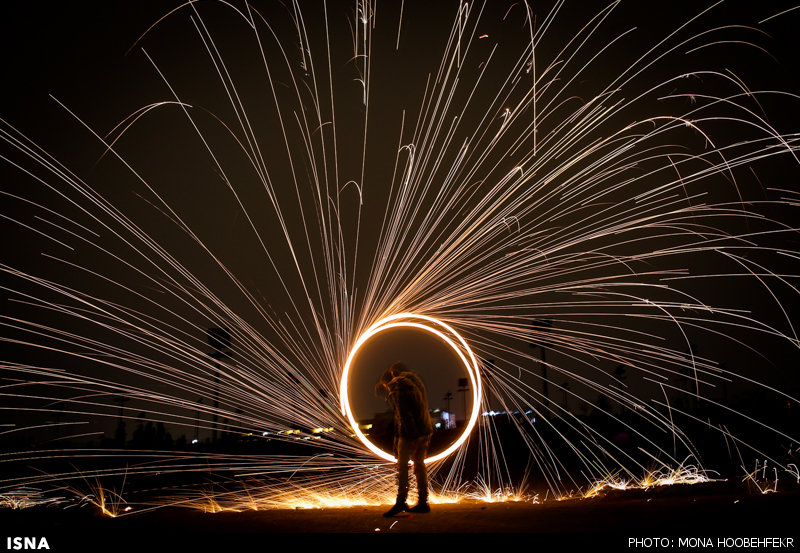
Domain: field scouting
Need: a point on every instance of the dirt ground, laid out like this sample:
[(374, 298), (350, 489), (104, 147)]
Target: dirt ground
[(688, 519)]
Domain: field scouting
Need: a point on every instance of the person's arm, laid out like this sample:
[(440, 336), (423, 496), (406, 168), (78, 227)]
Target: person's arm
[(392, 400)]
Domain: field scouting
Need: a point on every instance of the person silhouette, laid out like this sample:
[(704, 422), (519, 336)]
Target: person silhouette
[(406, 394)]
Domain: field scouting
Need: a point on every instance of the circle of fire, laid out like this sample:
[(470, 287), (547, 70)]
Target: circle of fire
[(446, 334)]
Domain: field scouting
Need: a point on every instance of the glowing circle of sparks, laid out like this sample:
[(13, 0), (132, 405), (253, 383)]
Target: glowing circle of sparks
[(447, 335)]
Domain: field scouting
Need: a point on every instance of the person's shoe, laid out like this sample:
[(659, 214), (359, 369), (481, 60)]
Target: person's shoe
[(421, 507), (398, 508)]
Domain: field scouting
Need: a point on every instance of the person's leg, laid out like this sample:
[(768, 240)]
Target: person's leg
[(403, 455), (421, 474), (420, 471)]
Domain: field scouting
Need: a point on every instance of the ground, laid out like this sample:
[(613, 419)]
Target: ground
[(690, 518)]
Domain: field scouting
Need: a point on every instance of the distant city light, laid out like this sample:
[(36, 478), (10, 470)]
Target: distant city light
[(449, 420)]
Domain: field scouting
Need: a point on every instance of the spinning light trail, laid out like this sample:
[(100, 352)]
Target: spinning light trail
[(579, 204), (443, 332)]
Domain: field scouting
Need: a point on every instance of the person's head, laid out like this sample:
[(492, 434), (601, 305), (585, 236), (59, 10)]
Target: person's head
[(396, 368), (382, 386)]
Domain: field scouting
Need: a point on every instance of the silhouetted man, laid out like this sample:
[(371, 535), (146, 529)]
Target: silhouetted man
[(405, 393)]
